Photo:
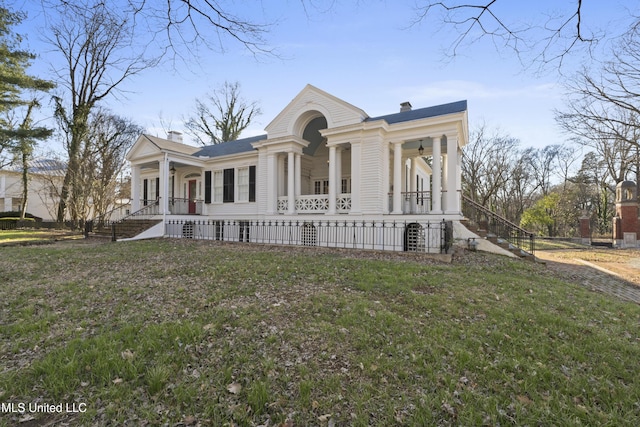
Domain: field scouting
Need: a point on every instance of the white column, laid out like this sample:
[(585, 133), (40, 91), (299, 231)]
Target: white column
[(164, 185), (453, 178), (338, 170), (298, 174), (427, 185), (356, 153), (436, 179), (332, 180), (272, 184), (443, 184), (413, 184), (397, 178), (280, 174), (135, 188), (291, 183)]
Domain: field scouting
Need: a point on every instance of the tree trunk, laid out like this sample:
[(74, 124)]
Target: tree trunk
[(25, 185)]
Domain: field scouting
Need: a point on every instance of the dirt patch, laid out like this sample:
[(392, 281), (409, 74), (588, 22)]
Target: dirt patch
[(623, 263)]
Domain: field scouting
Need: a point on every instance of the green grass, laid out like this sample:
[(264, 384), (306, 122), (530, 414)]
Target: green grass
[(34, 236), (308, 336), (549, 244)]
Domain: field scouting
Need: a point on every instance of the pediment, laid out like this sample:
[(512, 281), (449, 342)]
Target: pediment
[(143, 147), (310, 103)]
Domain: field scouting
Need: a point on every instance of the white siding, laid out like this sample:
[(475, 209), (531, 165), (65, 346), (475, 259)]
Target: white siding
[(372, 175)]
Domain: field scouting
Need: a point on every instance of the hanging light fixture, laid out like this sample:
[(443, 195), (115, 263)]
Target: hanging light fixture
[(173, 169), (421, 148)]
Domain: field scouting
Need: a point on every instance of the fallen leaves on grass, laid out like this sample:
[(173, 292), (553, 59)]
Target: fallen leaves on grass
[(234, 388)]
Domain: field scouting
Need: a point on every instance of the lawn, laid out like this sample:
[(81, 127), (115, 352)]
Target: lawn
[(182, 332), (29, 236)]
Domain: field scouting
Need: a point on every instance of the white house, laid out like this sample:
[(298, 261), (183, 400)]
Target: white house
[(45, 181), (321, 161)]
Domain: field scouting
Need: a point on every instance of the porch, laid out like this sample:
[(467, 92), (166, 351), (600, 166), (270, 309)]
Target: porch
[(176, 206), (413, 203)]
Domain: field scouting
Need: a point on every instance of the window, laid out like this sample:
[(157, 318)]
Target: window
[(321, 187), (227, 186), (345, 186), (217, 186), (243, 184)]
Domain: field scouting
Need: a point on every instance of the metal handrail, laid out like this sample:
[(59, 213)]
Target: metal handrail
[(500, 226)]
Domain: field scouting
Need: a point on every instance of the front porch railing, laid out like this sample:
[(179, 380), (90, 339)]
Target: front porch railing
[(315, 203), (413, 202), (185, 206)]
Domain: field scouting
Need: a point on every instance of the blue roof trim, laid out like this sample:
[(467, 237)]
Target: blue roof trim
[(230, 147), (422, 113)]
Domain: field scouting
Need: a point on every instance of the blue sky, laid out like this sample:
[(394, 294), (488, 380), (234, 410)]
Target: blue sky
[(369, 55)]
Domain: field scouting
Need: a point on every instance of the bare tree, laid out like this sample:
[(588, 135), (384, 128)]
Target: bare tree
[(110, 137), (222, 116), (180, 27), (96, 43), (486, 163), (548, 40), (542, 162)]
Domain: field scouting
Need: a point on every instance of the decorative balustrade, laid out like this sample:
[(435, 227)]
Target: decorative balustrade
[(312, 203), (315, 203)]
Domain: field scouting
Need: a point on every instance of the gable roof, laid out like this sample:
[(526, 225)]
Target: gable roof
[(165, 144), (422, 113), (230, 147), (42, 166), (336, 111)]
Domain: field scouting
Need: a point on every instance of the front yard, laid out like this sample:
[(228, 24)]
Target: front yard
[(182, 332)]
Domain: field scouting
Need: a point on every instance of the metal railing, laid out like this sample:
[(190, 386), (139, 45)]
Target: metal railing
[(416, 236), (179, 206), (501, 227), (121, 211)]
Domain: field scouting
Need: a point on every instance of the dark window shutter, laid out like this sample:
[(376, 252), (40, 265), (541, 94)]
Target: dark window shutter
[(207, 186), (145, 191), (252, 183), (227, 186), (158, 188)]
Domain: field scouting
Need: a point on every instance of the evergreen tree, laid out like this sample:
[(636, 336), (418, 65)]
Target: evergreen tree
[(20, 139)]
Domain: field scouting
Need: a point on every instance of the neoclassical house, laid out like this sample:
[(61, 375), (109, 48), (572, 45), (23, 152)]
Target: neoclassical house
[(321, 160)]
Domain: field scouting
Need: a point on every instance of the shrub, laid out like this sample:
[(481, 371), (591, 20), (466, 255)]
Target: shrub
[(15, 214)]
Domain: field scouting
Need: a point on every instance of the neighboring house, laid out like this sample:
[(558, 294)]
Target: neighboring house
[(321, 159), (45, 181)]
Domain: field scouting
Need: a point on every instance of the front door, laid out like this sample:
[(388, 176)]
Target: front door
[(192, 196)]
